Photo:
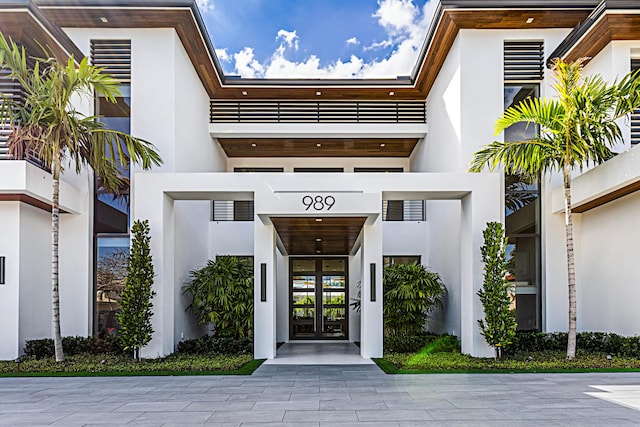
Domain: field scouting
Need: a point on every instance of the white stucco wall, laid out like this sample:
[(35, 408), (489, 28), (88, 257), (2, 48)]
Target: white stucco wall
[(35, 281), (191, 222), (10, 291), (608, 283)]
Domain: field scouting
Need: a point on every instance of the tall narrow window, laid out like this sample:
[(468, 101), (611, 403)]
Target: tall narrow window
[(111, 208), (523, 71), (522, 224)]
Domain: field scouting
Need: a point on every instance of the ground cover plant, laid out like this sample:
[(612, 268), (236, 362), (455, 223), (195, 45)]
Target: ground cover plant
[(529, 352), (93, 356), (119, 364)]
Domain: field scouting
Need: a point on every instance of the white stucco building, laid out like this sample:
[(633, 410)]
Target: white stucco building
[(322, 182)]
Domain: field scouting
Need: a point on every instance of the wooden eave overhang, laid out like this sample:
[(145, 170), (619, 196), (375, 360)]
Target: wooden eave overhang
[(25, 24), (611, 20), (183, 16)]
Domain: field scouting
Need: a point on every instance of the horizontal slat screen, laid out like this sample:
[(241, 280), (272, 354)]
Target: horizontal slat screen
[(13, 92), (114, 56), (316, 112), (635, 117), (232, 210), (403, 210), (523, 60)]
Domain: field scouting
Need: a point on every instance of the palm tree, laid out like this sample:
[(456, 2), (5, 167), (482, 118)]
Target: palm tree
[(577, 129), (48, 125)]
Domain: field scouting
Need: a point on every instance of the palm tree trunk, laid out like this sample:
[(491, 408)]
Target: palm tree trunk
[(571, 341), (55, 229)]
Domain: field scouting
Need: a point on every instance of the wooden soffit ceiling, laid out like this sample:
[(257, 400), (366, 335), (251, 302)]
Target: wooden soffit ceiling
[(317, 147), (192, 34), (306, 236), (25, 26), (610, 27)]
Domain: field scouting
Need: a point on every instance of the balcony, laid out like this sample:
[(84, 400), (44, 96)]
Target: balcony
[(316, 112)]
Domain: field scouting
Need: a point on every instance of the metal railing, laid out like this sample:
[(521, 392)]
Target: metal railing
[(316, 112), (635, 127), (403, 210)]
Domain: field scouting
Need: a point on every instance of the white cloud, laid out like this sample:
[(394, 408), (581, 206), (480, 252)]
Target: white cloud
[(246, 64), (352, 41), (396, 16), (280, 67), (223, 55), (205, 5), (289, 37), (405, 24)]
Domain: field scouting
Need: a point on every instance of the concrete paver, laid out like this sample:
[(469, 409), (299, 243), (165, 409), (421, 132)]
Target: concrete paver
[(299, 395)]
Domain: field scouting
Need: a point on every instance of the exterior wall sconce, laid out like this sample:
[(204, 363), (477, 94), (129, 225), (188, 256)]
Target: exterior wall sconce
[(2, 270), (372, 278), (263, 282)]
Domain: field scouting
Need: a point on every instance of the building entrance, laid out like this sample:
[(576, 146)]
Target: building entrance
[(319, 298)]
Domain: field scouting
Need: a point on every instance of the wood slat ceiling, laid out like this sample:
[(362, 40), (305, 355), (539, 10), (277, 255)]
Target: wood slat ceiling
[(179, 18), (308, 147), (610, 27), (23, 28), (337, 234), (182, 19)]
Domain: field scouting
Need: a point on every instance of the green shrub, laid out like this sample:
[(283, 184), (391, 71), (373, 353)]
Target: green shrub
[(72, 345), (124, 364), (135, 302), (410, 293), (499, 324), (212, 345), (588, 342), (222, 295), (407, 344), (443, 344)]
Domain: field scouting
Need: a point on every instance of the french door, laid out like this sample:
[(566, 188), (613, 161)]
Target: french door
[(319, 298)]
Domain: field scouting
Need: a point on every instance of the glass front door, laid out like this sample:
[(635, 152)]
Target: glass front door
[(319, 298)]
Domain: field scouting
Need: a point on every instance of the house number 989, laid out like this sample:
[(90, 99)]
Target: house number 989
[(318, 203)]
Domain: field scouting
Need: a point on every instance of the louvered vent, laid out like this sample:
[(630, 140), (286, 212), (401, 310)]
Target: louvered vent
[(114, 56), (635, 117), (13, 91), (523, 61)]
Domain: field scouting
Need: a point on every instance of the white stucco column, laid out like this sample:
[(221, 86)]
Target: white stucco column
[(371, 326), (482, 205), (264, 291), (153, 204)]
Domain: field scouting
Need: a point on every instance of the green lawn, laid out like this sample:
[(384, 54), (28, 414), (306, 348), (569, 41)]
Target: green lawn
[(110, 365), (454, 362)]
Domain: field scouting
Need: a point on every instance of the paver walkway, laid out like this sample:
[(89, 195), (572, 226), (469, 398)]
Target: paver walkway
[(324, 396)]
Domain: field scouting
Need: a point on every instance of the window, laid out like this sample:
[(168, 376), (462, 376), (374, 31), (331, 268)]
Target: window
[(378, 170), (400, 259), (522, 223), (111, 208), (319, 170), (251, 169), (403, 210)]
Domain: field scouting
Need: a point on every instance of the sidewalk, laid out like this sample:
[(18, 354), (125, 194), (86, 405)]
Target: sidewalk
[(325, 396)]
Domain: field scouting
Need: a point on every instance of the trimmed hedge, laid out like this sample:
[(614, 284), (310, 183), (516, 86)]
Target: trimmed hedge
[(407, 344), (42, 348), (588, 342), (215, 345), (110, 364)]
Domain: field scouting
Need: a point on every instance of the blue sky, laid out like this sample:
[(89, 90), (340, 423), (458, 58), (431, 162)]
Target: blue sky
[(317, 38)]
